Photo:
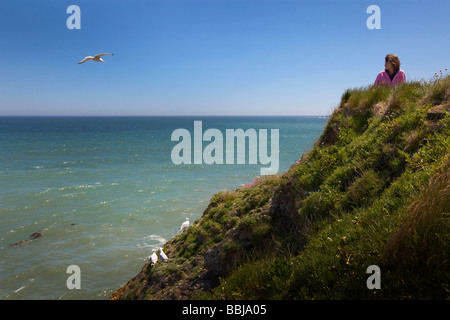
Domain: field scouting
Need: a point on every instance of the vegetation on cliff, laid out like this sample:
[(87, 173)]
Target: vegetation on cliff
[(374, 190)]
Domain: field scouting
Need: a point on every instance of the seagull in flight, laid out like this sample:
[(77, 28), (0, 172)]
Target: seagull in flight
[(97, 57)]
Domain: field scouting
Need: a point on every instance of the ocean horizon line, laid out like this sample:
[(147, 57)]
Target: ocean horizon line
[(156, 116)]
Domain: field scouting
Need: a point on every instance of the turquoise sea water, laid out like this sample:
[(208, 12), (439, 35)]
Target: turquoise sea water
[(103, 192)]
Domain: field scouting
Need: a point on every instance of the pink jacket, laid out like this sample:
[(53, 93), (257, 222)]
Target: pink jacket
[(383, 77)]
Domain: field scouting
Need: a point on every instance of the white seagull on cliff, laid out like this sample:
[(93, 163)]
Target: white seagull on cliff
[(162, 255), (184, 225), (153, 257), (97, 57)]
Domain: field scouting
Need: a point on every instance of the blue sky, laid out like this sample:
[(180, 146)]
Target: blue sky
[(210, 57)]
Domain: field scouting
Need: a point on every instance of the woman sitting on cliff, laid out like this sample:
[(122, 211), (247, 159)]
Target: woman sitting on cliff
[(392, 73)]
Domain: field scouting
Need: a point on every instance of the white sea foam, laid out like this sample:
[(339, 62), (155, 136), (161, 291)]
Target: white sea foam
[(152, 241), (157, 238), (19, 289)]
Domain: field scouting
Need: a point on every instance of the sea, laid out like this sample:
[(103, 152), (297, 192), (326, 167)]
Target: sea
[(104, 191)]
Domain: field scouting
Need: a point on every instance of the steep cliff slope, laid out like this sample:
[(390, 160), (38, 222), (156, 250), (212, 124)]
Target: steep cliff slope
[(374, 190)]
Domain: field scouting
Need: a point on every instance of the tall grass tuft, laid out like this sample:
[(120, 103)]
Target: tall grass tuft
[(422, 243)]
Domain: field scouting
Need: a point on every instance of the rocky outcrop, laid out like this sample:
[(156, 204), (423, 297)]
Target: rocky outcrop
[(32, 237)]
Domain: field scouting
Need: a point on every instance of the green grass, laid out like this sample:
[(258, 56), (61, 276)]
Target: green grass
[(360, 185)]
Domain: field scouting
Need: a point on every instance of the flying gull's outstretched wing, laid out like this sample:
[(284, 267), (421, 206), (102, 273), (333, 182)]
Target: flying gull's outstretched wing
[(103, 54), (85, 59)]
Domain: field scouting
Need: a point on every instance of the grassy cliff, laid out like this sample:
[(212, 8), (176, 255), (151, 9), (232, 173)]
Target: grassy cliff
[(374, 190)]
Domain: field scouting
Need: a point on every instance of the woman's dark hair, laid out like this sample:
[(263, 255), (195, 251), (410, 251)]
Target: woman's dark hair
[(393, 58)]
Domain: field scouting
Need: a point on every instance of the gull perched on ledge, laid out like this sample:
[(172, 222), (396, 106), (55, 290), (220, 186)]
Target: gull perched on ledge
[(153, 257), (97, 57), (184, 225), (162, 255)]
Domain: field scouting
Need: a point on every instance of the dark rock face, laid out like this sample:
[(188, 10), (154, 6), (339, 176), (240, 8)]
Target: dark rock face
[(35, 235)]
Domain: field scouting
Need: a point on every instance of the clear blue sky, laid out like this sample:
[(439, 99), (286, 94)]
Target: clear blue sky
[(210, 57)]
